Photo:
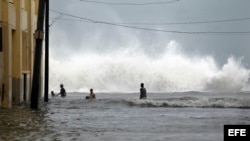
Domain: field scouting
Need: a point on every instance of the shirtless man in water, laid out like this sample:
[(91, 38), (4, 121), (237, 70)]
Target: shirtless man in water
[(91, 95), (143, 92), (62, 91)]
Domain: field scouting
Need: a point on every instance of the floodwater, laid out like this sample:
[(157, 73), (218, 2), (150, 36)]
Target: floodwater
[(187, 116)]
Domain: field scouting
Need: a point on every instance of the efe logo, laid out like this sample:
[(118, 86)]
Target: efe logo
[(236, 132)]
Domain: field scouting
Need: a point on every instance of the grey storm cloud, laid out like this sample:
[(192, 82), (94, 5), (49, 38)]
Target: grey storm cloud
[(70, 35)]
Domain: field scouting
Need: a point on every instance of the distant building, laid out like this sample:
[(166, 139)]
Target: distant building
[(17, 26)]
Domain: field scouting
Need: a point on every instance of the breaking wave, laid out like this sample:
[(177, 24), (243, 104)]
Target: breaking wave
[(123, 70), (193, 102)]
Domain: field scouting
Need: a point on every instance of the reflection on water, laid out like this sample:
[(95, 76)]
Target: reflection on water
[(113, 117), (54, 121), (21, 123)]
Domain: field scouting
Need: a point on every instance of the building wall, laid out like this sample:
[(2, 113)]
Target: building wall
[(17, 21)]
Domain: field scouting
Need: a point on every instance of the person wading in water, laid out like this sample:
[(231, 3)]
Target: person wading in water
[(91, 95), (143, 92), (62, 91)]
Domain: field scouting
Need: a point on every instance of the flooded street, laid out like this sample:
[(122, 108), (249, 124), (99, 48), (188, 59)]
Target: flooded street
[(22, 123), (122, 117)]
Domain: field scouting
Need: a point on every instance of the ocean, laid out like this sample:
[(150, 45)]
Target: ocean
[(172, 116)]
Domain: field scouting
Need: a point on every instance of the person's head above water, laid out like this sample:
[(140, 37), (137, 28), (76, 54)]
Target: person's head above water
[(142, 85), (91, 90), (61, 85)]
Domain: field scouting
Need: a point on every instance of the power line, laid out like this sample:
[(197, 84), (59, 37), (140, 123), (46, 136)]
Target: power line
[(179, 32), (55, 19), (134, 4), (65, 19), (170, 23), (195, 22), (152, 29)]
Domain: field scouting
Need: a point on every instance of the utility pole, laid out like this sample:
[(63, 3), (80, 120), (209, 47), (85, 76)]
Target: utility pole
[(46, 69), (38, 55)]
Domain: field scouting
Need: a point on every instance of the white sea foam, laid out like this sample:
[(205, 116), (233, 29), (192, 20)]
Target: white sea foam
[(232, 77), (123, 70), (193, 102)]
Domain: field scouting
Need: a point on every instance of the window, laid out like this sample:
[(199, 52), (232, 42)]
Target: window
[(1, 40), (11, 1)]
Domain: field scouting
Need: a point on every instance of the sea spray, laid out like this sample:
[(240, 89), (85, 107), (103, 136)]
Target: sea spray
[(232, 77), (192, 102), (123, 70)]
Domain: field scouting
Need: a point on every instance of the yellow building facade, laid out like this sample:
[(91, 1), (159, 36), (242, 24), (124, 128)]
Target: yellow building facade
[(18, 19)]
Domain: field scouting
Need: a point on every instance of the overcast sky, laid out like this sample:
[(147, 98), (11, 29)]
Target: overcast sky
[(71, 36)]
